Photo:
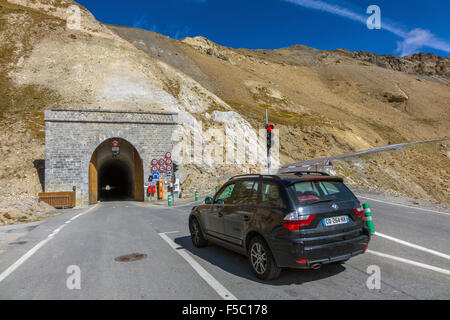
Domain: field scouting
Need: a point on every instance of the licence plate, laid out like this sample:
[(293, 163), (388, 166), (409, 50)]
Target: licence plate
[(335, 220)]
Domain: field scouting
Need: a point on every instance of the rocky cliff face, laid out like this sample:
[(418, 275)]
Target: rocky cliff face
[(428, 66)]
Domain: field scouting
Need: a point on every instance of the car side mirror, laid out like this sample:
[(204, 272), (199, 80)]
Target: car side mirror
[(208, 200)]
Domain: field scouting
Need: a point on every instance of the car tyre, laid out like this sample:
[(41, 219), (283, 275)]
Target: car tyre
[(197, 237), (261, 260)]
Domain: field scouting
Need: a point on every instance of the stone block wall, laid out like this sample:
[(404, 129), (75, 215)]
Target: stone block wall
[(72, 136)]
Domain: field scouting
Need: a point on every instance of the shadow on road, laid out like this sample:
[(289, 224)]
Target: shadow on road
[(237, 264)]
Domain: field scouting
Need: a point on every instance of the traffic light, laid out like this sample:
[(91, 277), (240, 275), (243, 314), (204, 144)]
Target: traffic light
[(175, 167), (269, 129)]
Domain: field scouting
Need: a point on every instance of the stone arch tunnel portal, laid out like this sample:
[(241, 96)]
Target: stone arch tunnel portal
[(116, 176)]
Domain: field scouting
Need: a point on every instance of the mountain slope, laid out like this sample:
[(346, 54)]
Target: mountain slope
[(355, 102), (323, 102)]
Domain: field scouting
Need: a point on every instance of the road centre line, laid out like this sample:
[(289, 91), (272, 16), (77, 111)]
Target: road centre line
[(411, 262), (412, 245), (33, 250), (213, 283), (402, 205)]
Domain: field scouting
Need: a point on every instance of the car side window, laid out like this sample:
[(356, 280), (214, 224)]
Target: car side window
[(226, 194), (247, 193), (271, 196)]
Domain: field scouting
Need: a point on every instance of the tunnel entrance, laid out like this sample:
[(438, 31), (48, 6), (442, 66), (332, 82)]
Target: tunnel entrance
[(116, 176), (115, 182)]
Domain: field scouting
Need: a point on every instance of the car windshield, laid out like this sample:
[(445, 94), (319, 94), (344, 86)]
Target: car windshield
[(319, 191)]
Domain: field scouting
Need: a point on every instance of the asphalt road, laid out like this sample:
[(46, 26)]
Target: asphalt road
[(36, 258)]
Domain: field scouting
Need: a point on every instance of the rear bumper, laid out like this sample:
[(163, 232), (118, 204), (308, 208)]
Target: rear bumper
[(295, 254)]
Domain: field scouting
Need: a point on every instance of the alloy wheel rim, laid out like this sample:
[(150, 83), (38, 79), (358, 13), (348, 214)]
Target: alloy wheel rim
[(258, 258), (195, 232)]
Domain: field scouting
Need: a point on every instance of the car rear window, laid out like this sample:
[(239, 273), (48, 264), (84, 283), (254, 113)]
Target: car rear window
[(308, 192)]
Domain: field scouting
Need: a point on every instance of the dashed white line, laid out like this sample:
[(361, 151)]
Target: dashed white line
[(24, 258), (411, 262), (412, 245), (216, 285), (33, 250), (402, 205)]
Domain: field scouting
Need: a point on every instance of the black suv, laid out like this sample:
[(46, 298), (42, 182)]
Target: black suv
[(292, 220)]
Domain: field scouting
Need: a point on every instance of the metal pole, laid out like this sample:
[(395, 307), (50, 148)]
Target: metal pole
[(268, 149), (173, 185)]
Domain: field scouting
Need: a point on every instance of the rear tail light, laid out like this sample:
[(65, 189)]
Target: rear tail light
[(359, 212), (294, 221)]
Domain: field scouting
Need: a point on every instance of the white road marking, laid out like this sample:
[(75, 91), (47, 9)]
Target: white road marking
[(402, 205), (83, 213), (216, 285), (418, 264), (33, 250), (412, 245)]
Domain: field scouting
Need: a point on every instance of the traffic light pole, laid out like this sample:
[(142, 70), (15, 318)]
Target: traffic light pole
[(268, 147), (173, 185)]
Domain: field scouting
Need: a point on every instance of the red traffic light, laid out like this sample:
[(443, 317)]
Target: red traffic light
[(270, 128)]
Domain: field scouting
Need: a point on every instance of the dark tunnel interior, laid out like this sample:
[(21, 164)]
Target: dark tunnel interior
[(115, 181)]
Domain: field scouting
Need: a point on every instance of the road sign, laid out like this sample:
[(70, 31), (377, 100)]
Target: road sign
[(168, 155), (155, 169), (161, 162), (155, 175), (169, 162), (162, 169), (154, 162), (115, 143)]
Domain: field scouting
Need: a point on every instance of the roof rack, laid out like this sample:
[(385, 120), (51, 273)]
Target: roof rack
[(300, 173), (256, 175)]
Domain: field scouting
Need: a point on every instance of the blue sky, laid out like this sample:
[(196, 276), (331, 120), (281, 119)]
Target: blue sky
[(407, 26)]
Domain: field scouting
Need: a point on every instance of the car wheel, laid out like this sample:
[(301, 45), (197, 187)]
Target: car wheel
[(261, 260), (198, 240)]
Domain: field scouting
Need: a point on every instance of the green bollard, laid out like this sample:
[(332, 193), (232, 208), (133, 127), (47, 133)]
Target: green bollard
[(368, 217), (196, 195), (170, 200)]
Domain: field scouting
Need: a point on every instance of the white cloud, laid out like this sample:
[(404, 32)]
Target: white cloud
[(412, 41), (419, 38)]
